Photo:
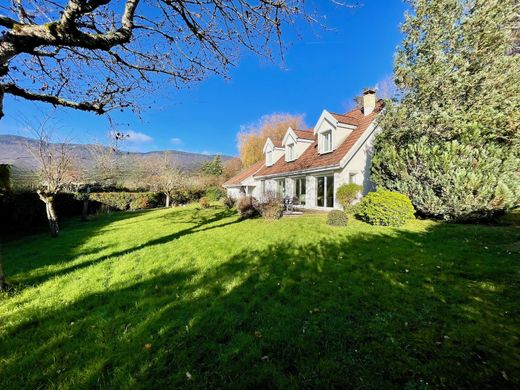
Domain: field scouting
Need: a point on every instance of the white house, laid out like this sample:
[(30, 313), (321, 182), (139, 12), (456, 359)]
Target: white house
[(311, 164)]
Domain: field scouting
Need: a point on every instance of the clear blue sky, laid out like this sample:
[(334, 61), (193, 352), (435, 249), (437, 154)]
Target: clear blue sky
[(323, 70)]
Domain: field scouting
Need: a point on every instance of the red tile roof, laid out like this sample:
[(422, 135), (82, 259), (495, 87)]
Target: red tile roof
[(305, 134), (236, 180), (311, 158)]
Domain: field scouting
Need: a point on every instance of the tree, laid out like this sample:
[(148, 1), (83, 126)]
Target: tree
[(55, 172), (99, 55), (232, 167), (161, 174), (5, 188), (451, 143), (251, 139), (212, 168)]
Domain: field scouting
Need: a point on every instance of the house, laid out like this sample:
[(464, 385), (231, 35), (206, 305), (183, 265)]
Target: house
[(310, 165)]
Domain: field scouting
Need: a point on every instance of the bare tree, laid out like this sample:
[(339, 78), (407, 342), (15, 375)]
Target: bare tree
[(55, 172), (161, 174), (99, 55)]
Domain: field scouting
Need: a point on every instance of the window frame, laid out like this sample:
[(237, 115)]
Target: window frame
[(327, 181), (326, 144), (290, 155)]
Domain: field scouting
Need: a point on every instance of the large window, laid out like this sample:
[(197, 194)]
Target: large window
[(326, 142), (300, 190), (325, 191), (281, 187), (290, 152)]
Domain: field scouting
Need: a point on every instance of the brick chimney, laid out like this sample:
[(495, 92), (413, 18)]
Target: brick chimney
[(369, 101)]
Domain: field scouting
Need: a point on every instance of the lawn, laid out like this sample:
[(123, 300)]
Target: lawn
[(196, 298)]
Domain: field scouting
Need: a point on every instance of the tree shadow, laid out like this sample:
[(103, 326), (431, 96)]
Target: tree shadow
[(364, 311), (25, 271)]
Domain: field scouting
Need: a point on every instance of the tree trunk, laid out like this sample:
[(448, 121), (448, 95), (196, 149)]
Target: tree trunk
[(51, 213), (167, 200)]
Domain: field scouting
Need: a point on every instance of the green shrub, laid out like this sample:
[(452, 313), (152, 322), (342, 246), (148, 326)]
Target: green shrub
[(247, 207), (271, 208), (121, 201), (204, 202), (187, 195), (337, 218), (386, 208), (215, 193), (347, 193)]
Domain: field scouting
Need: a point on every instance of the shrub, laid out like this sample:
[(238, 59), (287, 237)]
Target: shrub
[(247, 207), (187, 195), (121, 201), (337, 218), (229, 202), (204, 202), (215, 193), (387, 208), (271, 208), (347, 193)]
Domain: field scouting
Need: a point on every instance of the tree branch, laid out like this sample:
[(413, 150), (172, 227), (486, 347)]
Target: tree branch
[(14, 90)]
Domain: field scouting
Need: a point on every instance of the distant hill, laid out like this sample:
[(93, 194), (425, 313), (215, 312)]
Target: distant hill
[(14, 150)]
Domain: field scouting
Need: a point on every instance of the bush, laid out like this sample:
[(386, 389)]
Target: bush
[(337, 218), (386, 208), (347, 193), (247, 207), (215, 193), (121, 201), (187, 195), (271, 208), (204, 202), (229, 202)]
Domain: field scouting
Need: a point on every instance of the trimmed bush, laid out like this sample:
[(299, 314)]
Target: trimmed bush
[(187, 195), (385, 208), (337, 218), (204, 202), (247, 207), (271, 209), (121, 201), (215, 193), (347, 193)]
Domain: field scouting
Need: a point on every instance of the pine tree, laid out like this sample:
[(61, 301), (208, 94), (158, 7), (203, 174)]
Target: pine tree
[(452, 143)]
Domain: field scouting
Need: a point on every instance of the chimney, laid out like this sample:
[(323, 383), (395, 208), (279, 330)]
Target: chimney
[(369, 101)]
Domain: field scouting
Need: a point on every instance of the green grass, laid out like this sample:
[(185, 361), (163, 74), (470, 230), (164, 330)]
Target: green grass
[(195, 298)]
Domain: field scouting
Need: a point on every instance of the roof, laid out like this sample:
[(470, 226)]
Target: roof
[(311, 158), (237, 180), (347, 119), (305, 134)]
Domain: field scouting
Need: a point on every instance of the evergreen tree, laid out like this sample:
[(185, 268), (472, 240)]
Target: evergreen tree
[(451, 142), (213, 168)]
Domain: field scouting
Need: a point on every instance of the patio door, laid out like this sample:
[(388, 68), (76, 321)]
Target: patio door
[(300, 190), (325, 191)]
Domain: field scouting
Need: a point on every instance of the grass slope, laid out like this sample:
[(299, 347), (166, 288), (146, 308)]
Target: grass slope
[(195, 298)]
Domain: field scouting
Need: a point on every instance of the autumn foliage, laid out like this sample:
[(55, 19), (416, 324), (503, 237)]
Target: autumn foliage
[(252, 139)]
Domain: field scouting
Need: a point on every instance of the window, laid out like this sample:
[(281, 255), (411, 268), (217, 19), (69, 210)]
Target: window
[(326, 142), (281, 187), (352, 178), (300, 190), (269, 157), (262, 187), (290, 152), (325, 191)]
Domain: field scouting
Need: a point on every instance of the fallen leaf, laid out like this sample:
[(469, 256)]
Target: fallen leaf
[(148, 346)]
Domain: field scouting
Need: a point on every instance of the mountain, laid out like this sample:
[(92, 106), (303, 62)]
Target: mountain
[(14, 150)]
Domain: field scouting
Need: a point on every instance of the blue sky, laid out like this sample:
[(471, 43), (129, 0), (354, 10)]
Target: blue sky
[(322, 70)]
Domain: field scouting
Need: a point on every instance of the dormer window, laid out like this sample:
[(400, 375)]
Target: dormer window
[(269, 157), (289, 152), (326, 141)]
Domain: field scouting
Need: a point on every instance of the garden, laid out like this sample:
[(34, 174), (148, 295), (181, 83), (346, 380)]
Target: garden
[(198, 297)]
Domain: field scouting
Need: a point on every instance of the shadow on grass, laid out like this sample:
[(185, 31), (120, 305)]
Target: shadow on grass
[(38, 269), (365, 311)]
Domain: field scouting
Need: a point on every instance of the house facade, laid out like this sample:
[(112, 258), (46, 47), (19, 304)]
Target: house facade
[(310, 165)]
